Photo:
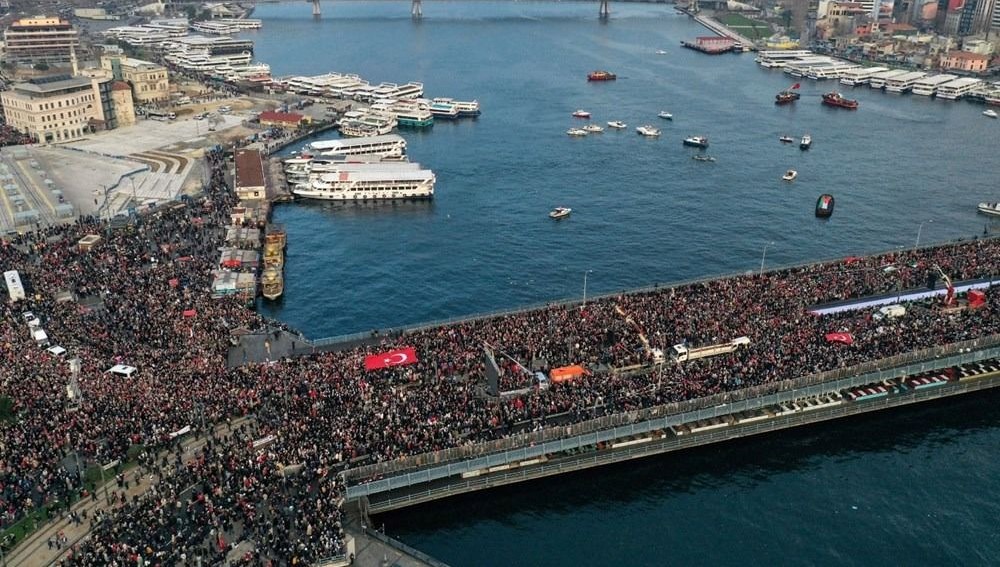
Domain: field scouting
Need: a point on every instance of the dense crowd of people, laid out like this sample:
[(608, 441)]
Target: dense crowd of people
[(273, 481)]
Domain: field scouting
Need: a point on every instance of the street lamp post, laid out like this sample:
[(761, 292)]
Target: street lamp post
[(763, 256), (585, 288), (919, 230)]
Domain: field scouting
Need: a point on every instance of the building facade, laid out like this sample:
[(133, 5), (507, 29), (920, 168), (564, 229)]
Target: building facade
[(40, 40), (249, 175), (52, 109), (150, 82), (965, 61)]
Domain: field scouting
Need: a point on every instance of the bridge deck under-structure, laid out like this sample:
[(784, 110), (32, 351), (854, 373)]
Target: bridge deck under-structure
[(452, 486)]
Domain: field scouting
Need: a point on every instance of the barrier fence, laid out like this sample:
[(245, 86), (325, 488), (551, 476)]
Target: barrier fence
[(529, 445)]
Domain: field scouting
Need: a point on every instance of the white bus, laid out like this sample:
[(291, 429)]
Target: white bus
[(14, 287)]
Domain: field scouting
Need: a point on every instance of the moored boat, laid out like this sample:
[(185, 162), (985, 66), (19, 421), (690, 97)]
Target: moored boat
[(581, 114), (576, 132), (593, 128), (617, 125), (786, 139), (989, 112), (272, 283), (835, 99), (648, 131), (806, 142), (787, 96), (665, 115), (696, 142), (560, 213), (601, 76), (824, 206), (990, 209), (790, 175)]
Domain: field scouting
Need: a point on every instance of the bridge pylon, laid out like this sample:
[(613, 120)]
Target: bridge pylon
[(316, 11), (417, 10), (605, 10)]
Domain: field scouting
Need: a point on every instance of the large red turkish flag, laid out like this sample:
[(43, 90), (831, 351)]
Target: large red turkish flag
[(397, 357)]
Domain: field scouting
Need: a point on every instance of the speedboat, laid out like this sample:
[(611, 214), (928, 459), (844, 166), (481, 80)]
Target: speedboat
[(786, 139), (665, 115), (990, 113), (806, 142), (617, 125), (593, 128), (990, 209), (700, 157), (790, 175), (660, 52), (576, 132), (648, 130), (581, 114), (560, 213), (696, 142)]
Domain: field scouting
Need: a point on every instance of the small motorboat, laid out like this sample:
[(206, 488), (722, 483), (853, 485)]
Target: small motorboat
[(581, 114), (648, 130), (665, 115), (824, 206), (990, 113), (786, 139), (617, 125), (601, 76), (790, 175), (990, 209), (593, 128), (560, 213), (576, 132), (700, 157), (806, 142), (696, 142), (660, 52)]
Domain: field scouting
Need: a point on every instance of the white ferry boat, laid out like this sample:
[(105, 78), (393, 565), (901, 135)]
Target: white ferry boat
[(779, 58), (929, 85), (954, 90), (860, 76), (878, 80), (371, 185), (832, 70), (904, 83), (444, 109), (390, 145), (369, 124), (465, 108)]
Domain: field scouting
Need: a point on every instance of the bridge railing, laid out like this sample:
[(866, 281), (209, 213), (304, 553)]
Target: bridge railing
[(568, 302), (409, 464)]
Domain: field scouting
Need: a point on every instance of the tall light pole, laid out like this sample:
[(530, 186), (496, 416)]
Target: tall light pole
[(585, 273), (763, 256), (919, 230)]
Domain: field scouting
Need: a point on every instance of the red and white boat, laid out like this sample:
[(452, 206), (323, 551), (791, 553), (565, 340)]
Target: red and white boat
[(835, 99), (581, 114)]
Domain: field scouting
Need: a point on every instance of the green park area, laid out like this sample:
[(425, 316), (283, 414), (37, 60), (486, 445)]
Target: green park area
[(753, 29)]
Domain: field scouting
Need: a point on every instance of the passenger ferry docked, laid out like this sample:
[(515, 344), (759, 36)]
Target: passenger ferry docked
[(409, 114), (878, 80), (954, 90), (469, 109), (903, 83), (371, 185), (860, 76), (369, 124), (928, 86), (390, 145), (444, 109), (770, 59)]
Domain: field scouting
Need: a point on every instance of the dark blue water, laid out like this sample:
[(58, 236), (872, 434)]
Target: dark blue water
[(645, 212)]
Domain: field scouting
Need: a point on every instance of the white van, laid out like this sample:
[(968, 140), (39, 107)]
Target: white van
[(56, 350), (123, 370), (889, 312), (41, 338)]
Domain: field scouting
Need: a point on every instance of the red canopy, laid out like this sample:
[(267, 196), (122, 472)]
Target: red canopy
[(190, 312)]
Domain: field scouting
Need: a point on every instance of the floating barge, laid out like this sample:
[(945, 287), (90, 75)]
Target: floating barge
[(712, 45)]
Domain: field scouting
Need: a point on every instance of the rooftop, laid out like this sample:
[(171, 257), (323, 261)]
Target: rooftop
[(249, 169), (51, 84), (274, 116), (968, 56)]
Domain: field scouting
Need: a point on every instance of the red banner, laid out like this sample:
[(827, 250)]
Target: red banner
[(398, 357), (845, 338)]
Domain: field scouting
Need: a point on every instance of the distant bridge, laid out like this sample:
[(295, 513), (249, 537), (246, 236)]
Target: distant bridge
[(417, 10)]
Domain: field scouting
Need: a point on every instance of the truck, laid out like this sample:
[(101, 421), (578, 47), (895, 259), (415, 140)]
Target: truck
[(681, 352), (41, 338), (889, 312)]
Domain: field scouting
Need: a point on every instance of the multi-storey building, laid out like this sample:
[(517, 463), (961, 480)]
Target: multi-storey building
[(149, 81), (40, 40), (52, 109)]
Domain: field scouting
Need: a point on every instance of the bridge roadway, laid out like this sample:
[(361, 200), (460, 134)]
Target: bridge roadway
[(670, 433), (417, 11)]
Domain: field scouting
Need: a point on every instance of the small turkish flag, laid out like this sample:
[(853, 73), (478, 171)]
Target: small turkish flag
[(400, 357), (845, 338)]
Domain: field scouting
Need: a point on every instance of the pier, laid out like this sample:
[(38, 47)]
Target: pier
[(744, 42)]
